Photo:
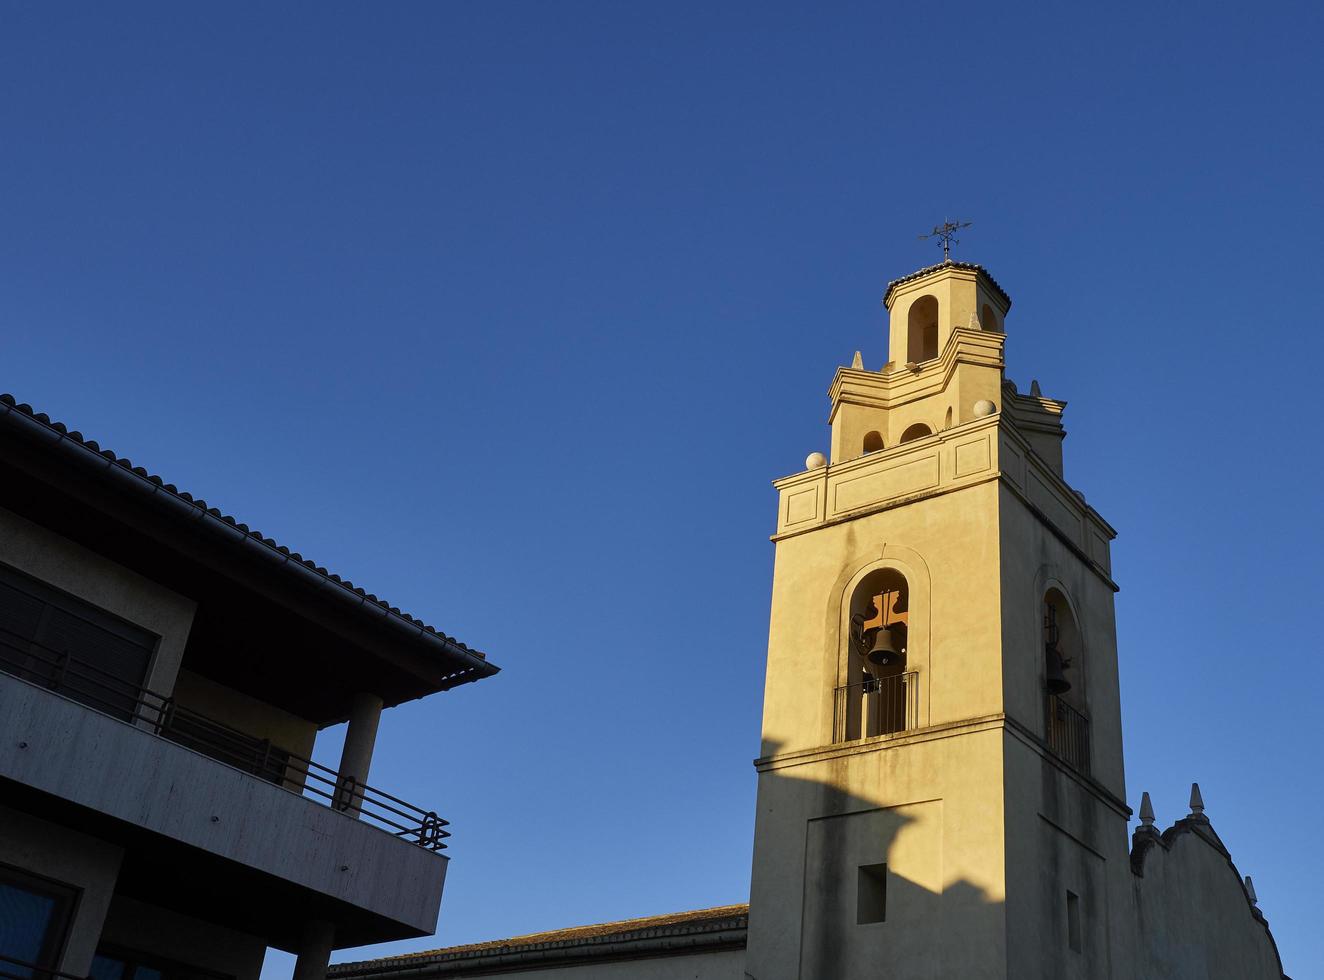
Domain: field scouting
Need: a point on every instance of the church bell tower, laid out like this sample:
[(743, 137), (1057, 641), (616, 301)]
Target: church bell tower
[(940, 781)]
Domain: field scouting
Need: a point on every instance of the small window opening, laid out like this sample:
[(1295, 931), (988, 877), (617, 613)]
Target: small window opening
[(988, 320), (1073, 920), (871, 903), (922, 330), (917, 431), (873, 442)]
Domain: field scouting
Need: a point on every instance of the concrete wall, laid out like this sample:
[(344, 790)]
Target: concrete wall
[(55, 852), (98, 762), (248, 715), (106, 585), (1063, 836), (1191, 917), (146, 929), (1037, 556), (929, 806)]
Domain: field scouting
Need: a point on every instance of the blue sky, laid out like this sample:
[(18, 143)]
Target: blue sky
[(511, 311)]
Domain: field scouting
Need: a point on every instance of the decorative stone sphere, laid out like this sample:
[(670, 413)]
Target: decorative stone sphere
[(815, 461), (984, 407)]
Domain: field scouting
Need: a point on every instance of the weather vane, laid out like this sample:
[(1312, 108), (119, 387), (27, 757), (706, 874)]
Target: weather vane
[(946, 233)]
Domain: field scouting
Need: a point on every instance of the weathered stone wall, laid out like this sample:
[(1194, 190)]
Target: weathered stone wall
[(1191, 913)]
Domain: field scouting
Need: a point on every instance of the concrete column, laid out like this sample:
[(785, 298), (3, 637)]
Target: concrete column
[(356, 757), (314, 951)]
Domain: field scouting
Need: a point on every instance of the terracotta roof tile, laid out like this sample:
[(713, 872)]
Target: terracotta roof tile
[(674, 922)]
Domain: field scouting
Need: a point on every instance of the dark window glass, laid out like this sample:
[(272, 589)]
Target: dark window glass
[(112, 963), (34, 916), (107, 968), (54, 639)]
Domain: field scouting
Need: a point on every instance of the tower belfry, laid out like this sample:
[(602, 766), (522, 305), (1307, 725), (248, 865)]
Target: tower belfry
[(941, 761)]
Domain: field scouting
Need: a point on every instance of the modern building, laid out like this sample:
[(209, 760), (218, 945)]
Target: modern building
[(164, 672), (940, 788)]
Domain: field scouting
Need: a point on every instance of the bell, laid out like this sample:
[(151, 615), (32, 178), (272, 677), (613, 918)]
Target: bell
[(884, 649), (1057, 682)]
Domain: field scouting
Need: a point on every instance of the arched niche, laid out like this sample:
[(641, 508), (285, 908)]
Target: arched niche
[(902, 573), (1067, 728), (988, 320), (1062, 630), (922, 330), (873, 442)]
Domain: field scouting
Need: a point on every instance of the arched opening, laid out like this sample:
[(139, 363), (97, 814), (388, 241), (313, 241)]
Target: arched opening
[(881, 695), (1068, 727), (947, 419), (873, 442), (988, 320), (917, 431), (922, 335)]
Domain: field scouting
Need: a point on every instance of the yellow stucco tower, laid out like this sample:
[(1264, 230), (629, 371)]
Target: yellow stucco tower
[(940, 782)]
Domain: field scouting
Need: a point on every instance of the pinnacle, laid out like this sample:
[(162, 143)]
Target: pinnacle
[(1146, 811), (1197, 801)]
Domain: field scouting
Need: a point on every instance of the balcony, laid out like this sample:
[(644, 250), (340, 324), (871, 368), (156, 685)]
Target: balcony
[(192, 799), (877, 706), (87, 684), (1068, 733)]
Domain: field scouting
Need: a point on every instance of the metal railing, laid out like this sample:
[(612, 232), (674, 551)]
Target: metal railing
[(102, 691), (877, 706), (15, 969), (1068, 732)]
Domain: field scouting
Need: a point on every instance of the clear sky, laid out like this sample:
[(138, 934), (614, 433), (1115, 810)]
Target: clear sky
[(511, 311)]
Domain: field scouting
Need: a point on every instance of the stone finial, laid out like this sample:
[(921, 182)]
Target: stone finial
[(974, 322), (1035, 391), (857, 362), (1197, 801), (1250, 891), (1146, 811), (815, 461)]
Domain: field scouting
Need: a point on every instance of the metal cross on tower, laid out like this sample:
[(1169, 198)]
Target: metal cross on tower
[(946, 233)]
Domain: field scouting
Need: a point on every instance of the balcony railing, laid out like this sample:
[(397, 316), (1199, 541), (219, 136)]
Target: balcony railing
[(877, 706), (12, 969), (104, 692), (1068, 733)]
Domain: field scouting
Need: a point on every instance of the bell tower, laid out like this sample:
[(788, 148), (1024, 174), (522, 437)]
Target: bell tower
[(940, 779)]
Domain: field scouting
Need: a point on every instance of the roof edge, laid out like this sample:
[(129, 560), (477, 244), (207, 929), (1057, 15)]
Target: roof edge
[(39, 427), (677, 933), (979, 270)]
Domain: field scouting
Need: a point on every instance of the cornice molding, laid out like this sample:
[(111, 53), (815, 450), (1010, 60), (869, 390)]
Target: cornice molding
[(900, 386)]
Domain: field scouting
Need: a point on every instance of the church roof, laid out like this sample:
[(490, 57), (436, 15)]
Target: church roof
[(700, 930), (949, 264)]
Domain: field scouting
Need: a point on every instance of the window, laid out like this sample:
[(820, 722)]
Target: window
[(1073, 921), (871, 902), (113, 963), (34, 919), (917, 431), (922, 330), (58, 641), (988, 320), (873, 442)]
